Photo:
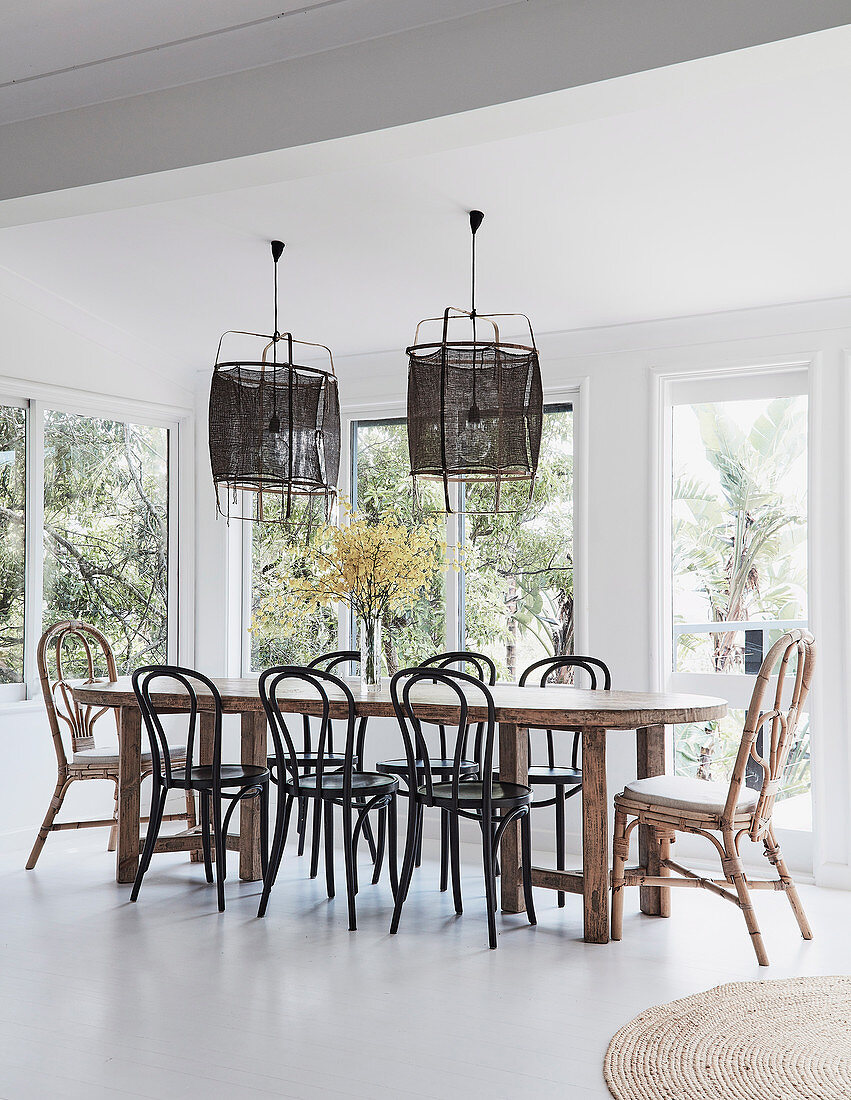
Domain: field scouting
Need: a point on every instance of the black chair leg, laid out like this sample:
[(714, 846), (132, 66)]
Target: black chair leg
[(378, 856), (329, 846), (526, 846), (490, 881), (419, 854), (444, 849), (205, 835), (392, 844), (351, 861), (560, 838), (282, 822), (219, 837), (414, 816), (315, 841), (456, 862), (302, 826), (158, 797), (370, 836)]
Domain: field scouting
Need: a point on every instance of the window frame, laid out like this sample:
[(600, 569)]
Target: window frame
[(177, 422)]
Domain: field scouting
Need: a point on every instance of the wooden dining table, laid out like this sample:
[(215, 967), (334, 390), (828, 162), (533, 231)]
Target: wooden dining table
[(595, 714)]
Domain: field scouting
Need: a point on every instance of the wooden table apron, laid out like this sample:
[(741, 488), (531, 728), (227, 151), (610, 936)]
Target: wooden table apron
[(556, 707)]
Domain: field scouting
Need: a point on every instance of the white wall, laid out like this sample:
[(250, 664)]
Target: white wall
[(42, 358), (617, 577)]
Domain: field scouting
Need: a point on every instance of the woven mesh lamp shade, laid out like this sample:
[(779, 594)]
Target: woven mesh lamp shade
[(300, 461), (475, 415), (475, 409)]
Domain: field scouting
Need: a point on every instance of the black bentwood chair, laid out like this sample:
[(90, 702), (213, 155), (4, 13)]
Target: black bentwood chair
[(214, 782), (493, 805), (483, 668), (566, 781), (306, 761), (355, 792)]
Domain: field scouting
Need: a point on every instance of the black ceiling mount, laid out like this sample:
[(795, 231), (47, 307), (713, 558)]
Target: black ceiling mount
[(277, 249), (476, 219)]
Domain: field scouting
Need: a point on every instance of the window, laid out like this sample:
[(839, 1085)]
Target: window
[(105, 527), (513, 598), (738, 557), (381, 485), (286, 637), (518, 569), (89, 499)]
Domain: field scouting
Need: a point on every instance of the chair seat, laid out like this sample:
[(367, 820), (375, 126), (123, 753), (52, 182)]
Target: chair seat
[(438, 766), (363, 783), (539, 773), (107, 757), (311, 759), (678, 792), (471, 793), (233, 775)]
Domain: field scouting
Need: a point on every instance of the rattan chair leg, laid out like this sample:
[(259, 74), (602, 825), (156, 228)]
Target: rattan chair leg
[(734, 871), (772, 849), (619, 853), (53, 809)]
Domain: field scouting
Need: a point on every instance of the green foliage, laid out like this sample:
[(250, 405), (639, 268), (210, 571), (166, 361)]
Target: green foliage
[(105, 534), (738, 546)]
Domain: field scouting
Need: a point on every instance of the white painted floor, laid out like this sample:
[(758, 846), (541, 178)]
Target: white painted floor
[(168, 998)]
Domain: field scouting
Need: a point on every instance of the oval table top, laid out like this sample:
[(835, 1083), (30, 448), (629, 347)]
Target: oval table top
[(556, 706)]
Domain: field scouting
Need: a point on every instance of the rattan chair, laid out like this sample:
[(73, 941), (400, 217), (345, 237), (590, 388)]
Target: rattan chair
[(672, 804), (63, 645)]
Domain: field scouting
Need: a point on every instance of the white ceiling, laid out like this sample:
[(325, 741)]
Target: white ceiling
[(56, 55), (661, 194)]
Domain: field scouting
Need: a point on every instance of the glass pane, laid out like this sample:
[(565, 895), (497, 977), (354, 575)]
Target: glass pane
[(281, 634), (383, 490), (707, 750), (518, 569), (13, 487), (106, 532), (739, 530)]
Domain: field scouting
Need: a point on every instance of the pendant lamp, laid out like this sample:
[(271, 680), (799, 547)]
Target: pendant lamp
[(475, 407), (274, 427)]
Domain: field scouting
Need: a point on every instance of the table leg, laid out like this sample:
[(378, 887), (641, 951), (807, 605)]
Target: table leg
[(595, 836), (650, 744), (254, 751), (129, 788), (513, 768)]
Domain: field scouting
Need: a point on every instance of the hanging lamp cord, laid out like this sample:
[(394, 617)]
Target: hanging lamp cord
[(474, 416), (275, 420)]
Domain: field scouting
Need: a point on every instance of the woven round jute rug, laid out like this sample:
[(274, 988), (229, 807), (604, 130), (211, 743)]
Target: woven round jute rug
[(771, 1040)]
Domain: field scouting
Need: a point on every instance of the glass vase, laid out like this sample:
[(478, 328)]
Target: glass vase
[(370, 654)]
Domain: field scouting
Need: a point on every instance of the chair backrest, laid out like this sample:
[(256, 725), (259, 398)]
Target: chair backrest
[(542, 672), (468, 691), (64, 644), (321, 683), (465, 660), (768, 735), (329, 662), (153, 684)]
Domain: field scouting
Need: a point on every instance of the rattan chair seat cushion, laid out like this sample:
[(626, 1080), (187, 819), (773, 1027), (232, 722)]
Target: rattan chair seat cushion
[(677, 792), (107, 756)]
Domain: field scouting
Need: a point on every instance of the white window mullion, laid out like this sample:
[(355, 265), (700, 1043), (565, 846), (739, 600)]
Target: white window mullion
[(34, 600)]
